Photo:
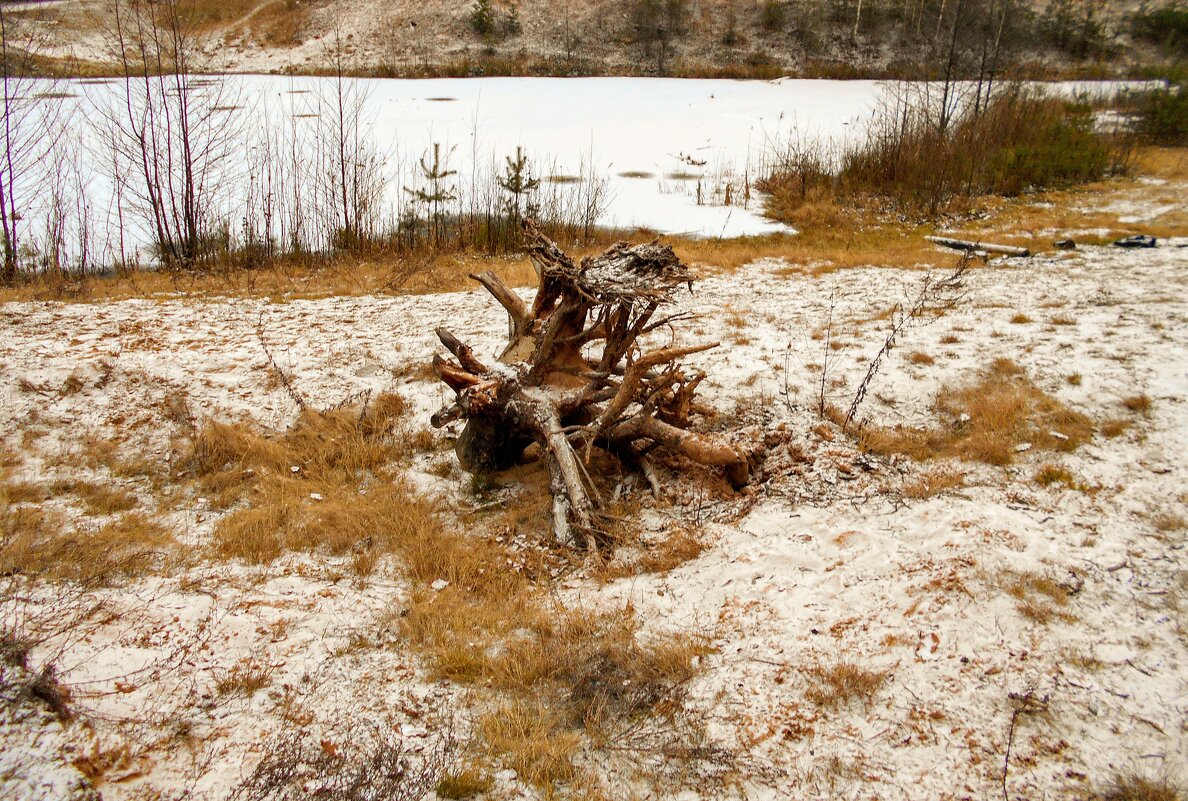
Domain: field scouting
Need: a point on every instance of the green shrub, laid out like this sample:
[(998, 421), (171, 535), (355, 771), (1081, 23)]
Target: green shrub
[(1162, 115), (482, 18), (920, 163), (773, 16), (1166, 27)]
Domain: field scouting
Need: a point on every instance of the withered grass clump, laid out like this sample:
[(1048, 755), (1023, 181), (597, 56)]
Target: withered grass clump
[(244, 678), (1135, 787), (331, 484), (678, 546), (932, 483), (985, 420), (328, 484), (842, 683), (97, 499), (1051, 474), (1040, 599), (1139, 404), (38, 543), (533, 741)]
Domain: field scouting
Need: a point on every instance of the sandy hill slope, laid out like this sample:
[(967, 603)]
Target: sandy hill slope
[(752, 38)]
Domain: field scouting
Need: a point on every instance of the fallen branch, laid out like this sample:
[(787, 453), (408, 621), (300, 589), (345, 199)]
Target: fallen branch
[(976, 247)]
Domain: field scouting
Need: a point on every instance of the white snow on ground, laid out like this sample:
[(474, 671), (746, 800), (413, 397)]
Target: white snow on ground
[(821, 561)]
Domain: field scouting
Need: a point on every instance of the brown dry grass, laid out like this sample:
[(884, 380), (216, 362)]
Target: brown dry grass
[(285, 280), (1134, 786), (932, 483), (97, 499), (41, 544), (985, 420), (1166, 522), (464, 781), (327, 485), (244, 679), (1138, 404), (841, 683), (530, 738), (680, 545), (1040, 599), (1112, 429), (206, 14), (569, 675), (1051, 474), (280, 23)]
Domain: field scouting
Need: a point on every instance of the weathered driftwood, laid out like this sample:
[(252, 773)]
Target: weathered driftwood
[(573, 377), (974, 247)]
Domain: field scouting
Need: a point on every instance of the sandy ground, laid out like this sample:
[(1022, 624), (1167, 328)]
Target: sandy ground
[(823, 561), (575, 38)]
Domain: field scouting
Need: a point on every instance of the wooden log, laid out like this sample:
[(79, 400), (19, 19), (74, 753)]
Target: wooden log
[(974, 247)]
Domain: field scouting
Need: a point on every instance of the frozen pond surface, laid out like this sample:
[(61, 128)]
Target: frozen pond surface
[(678, 156)]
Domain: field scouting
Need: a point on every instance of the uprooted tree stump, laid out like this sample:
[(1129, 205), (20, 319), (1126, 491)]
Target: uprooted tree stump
[(574, 377)]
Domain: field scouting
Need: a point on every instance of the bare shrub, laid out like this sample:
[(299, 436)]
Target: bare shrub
[(18, 677), (169, 130), (922, 154), (365, 762)]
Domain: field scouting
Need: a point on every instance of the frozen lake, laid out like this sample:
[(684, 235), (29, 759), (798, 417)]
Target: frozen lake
[(678, 156)]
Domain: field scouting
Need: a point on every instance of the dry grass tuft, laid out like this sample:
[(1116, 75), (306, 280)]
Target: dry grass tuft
[(986, 420), (842, 683), (244, 679), (1051, 474), (1134, 787), (37, 543), (1021, 319), (1166, 522), (932, 483), (97, 499), (325, 485), (1139, 404), (921, 358), (466, 781), (681, 545), (1040, 599), (1112, 429), (532, 741)]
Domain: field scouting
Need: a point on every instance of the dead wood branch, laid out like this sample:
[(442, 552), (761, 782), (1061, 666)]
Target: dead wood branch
[(574, 377), (976, 247)]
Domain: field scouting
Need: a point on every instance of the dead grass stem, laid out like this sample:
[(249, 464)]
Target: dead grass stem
[(985, 420), (841, 683), (329, 485)]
